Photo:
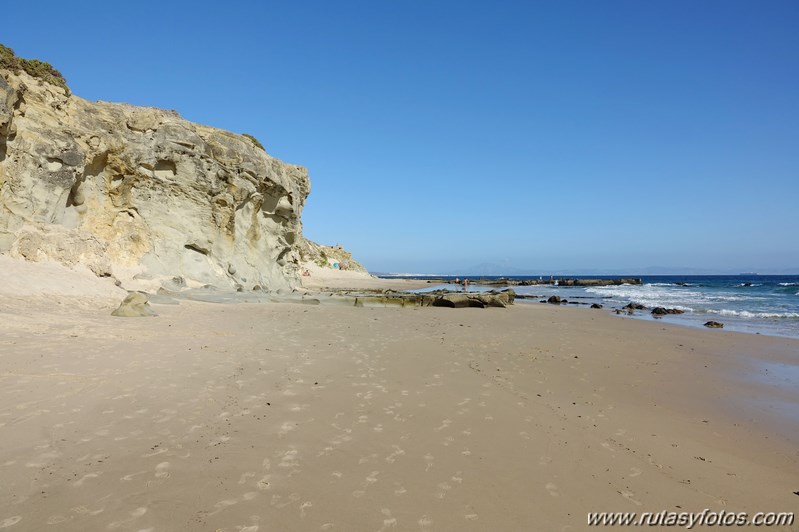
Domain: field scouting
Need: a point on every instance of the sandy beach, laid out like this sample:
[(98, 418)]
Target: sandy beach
[(270, 417)]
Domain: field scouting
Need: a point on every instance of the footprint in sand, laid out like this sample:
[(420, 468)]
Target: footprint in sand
[(425, 522), (552, 489), (83, 479), (629, 496), (429, 459), (161, 470), (388, 521), (10, 521), (443, 488), (635, 472)]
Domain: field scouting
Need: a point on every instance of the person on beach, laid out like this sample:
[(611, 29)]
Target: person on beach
[(465, 285)]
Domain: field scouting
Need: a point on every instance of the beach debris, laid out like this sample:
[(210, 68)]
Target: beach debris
[(714, 325), (135, 305)]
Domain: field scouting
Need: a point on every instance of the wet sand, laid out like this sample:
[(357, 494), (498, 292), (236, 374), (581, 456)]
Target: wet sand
[(293, 417)]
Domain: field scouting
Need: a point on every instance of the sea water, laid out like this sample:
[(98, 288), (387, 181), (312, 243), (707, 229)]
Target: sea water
[(765, 304)]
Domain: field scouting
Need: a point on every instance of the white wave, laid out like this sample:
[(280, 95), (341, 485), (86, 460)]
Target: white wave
[(789, 284), (660, 295), (747, 314)]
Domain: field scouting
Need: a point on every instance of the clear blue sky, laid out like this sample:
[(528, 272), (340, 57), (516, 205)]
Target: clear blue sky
[(521, 136)]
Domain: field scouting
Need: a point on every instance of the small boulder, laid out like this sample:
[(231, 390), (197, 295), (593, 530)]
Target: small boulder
[(135, 305), (659, 311), (633, 306), (555, 300), (714, 325), (596, 305)]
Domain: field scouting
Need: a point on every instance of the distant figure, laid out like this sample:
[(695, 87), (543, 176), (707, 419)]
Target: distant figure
[(465, 285), (457, 280)]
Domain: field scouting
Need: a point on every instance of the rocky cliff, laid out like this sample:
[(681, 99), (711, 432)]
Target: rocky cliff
[(136, 192)]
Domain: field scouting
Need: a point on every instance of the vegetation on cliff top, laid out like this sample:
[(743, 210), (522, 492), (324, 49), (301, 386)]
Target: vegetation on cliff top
[(34, 67), (254, 141)]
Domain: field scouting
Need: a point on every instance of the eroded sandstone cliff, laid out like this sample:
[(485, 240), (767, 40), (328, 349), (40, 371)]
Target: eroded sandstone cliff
[(140, 192)]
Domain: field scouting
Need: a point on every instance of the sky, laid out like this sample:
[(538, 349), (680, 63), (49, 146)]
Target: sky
[(481, 137)]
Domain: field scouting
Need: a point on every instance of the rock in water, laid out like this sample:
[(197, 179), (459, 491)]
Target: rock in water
[(714, 325), (596, 305), (555, 300), (128, 190), (661, 311), (134, 306), (633, 306)]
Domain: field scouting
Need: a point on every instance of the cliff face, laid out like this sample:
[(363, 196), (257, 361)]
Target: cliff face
[(134, 191)]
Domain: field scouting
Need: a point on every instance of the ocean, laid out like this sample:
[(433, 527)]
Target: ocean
[(761, 304)]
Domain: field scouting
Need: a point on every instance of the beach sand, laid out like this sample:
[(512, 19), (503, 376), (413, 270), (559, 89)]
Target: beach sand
[(277, 417), (323, 278)]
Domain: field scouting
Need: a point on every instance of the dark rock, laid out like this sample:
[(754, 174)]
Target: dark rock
[(596, 305), (660, 311), (633, 306), (555, 300), (714, 325)]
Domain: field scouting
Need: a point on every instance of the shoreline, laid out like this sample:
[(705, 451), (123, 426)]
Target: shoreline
[(293, 416)]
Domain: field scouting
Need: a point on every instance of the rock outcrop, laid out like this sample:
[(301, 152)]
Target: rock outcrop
[(140, 192), (662, 311), (558, 282), (135, 305), (329, 256)]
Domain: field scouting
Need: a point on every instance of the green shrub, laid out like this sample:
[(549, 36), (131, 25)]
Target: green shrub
[(254, 140), (34, 67)]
